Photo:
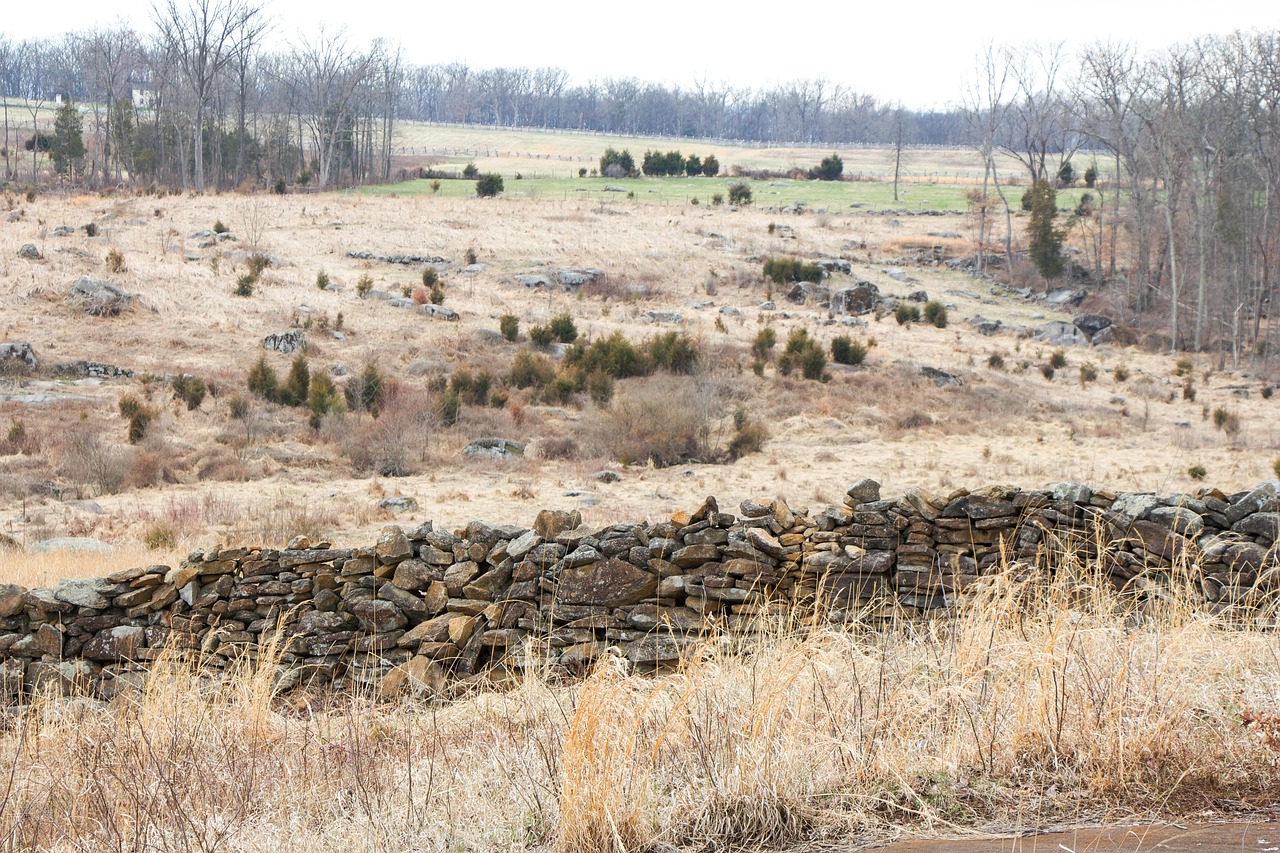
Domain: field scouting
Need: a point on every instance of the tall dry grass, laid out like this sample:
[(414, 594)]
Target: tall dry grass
[(1038, 702)]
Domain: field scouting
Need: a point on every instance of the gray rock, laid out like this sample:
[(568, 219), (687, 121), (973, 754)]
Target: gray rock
[(670, 318), (80, 544), (1135, 505), (399, 504), (534, 280), (99, 298), (1071, 491), (803, 292), (438, 312), (1065, 297), (82, 592), (918, 296), (29, 252), (864, 491), (862, 298), (940, 377), (1091, 324), (1178, 519), (120, 643), (286, 342), (1058, 333), (606, 477), (499, 448), (836, 265), (62, 231), (572, 280), (12, 353)]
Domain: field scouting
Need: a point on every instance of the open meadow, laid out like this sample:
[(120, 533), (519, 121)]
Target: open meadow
[(435, 319)]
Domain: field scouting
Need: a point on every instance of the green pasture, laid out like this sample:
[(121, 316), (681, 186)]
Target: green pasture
[(834, 197)]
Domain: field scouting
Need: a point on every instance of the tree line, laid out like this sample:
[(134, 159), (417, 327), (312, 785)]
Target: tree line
[(200, 103)]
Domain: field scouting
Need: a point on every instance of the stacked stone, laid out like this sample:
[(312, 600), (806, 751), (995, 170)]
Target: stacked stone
[(425, 607)]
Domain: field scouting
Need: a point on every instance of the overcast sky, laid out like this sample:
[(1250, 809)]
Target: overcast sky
[(919, 53)]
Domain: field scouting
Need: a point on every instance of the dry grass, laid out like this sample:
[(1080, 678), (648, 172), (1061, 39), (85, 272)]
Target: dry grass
[(1128, 436), (1035, 705)]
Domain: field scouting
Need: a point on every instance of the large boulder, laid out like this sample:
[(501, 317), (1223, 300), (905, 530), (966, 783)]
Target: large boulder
[(862, 298), (807, 291), (21, 356), (608, 583), (499, 448), (99, 298), (286, 342), (1059, 333), (1092, 324)]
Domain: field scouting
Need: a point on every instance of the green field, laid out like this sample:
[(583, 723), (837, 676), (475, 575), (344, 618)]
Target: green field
[(830, 196)]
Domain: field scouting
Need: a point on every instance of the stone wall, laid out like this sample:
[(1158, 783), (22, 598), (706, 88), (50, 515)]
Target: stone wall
[(423, 607)]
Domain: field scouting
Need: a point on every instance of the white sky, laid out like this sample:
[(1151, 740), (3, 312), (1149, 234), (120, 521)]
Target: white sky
[(918, 52)]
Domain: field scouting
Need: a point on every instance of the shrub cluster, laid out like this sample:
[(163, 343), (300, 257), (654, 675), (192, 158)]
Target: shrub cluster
[(657, 164), (617, 164), (489, 185), (190, 390), (845, 350), (592, 367), (785, 270), (830, 169), (257, 263), (316, 392), (740, 194), (804, 353)]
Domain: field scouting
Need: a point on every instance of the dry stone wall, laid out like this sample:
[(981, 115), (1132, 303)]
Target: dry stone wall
[(424, 607)]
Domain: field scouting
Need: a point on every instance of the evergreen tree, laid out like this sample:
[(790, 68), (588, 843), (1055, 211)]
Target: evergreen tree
[(262, 379), (297, 385), (67, 144), (1046, 239)]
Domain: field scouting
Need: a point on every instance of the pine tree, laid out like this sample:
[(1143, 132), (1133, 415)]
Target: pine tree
[(262, 379), (297, 384), (1046, 239), (67, 144)]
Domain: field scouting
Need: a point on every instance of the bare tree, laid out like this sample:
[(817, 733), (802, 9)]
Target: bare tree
[(985, 106), (324, 75), (201, 39)]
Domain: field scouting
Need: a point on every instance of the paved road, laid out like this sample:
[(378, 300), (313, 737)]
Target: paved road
[(1207, 838)]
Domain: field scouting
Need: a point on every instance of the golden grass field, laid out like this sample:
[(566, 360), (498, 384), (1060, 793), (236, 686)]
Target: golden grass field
[(208, 476), (1061, 712)]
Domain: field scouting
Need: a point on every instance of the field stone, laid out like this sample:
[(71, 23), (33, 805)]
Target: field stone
[(15, 352), (656, 648), (77, 544), (378, 616), (1059, 333), (863, 298), (286, 342), (1264, 524), (11, 599), (1135, 505), (864, 491), (607, 583), (82, 592), (99, 298), (414, 575), (1178, 519), (393, 546), (1092, 324), (550, 523), (978, 507), (119, 643), (29, 252)]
